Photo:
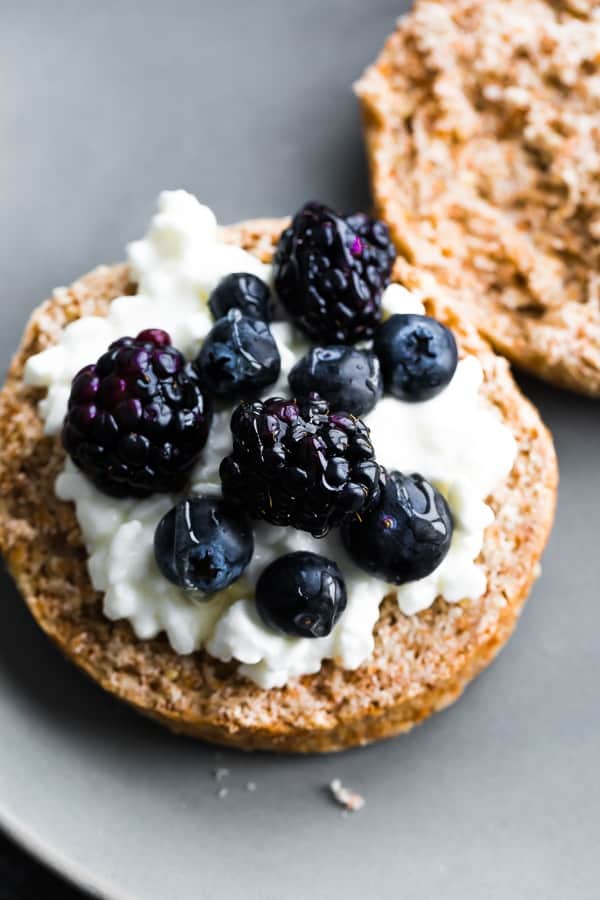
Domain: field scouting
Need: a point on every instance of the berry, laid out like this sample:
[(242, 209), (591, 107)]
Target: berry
[(330, 273), (242, 291), (406, 535), (302, 594), (418, 356), (295, 463), (137, 419), (347, 378), (203, 544), (239, 356)]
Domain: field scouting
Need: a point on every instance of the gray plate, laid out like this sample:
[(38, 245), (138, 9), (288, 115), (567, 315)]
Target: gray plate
[(249, 105)]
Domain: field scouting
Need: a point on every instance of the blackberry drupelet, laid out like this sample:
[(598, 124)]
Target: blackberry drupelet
[(347, 378), (296, 463), (138, 418), (406, 535), (301, 594), (330, 273)]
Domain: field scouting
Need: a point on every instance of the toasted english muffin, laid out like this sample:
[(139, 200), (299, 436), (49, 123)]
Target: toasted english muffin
[(482, 126), (421, 663)]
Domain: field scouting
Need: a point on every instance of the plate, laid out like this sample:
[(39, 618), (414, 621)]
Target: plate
[(249, 106)]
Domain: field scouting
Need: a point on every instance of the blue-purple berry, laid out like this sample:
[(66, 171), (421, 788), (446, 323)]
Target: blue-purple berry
[(203, 544), (349, 379), (418, 356), (238, 357), (243, 291), (405, 535), (301, 594)]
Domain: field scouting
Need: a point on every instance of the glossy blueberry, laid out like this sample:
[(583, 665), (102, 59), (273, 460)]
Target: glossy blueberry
[(242, 291), (301, 594), (239, 356), (406, 535), (203, 544), (418, 356), (349, 379)]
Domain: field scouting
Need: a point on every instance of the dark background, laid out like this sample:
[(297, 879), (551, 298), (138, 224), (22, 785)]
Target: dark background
[(23, 879)]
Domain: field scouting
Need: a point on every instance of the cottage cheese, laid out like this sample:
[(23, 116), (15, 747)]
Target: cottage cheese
[(455, 440)]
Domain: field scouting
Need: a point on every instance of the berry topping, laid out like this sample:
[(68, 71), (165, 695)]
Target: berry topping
[(302, 594), (330, 273), (418, 356), (155, 336), (296, 463), (203, 544), (347, 378), (239, 356), (137, 419), (241, 291), (406, 535)]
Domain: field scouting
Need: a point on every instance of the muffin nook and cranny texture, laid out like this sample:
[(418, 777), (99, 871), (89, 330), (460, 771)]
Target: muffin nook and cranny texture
[(139, 417), (183, 258), (139, 423), (482, 125)]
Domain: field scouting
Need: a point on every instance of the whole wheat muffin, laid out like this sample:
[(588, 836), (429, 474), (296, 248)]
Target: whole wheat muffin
[(421, 663), (482, 124)]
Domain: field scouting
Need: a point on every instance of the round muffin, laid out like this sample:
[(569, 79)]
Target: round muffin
[(421, 663), (483, 137)]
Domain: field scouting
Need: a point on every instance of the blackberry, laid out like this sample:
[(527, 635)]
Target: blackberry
[(330, 273), (296, 463), (348, 378), (138, 418), (239, 356), (242, 291), (406, 535)]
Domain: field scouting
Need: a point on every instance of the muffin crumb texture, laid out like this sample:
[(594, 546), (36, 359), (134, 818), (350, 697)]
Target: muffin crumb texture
[(421, 663), (483, 131)]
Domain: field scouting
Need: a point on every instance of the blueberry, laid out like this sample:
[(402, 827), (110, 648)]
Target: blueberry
[(302, 594), (242, 291), (406, 535), (418, 356), (239, 356), (203, 544), (347, 378)]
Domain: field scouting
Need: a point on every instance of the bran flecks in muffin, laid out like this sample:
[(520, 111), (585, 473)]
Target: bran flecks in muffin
[(150, 642), (482, 123)]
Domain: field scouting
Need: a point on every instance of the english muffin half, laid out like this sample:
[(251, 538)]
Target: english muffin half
[(421, 663), (482, 126)]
